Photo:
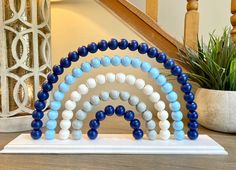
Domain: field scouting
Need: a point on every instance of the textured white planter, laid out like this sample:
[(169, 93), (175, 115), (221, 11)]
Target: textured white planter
[(217, 109)]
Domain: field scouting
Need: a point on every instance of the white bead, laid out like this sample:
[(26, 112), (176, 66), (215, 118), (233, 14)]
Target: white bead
[(110, 77), (164, 125), (114, 94), (133, 100), (101, 79), (163, 115), (83, 89), (130, 79), (67, 114), (70, 105), (160, 106), (91, 83), (95, 100), (164, 134), (124, 95), (104, 96), (75, 96), (65, 124), (139, 83), (120, 77), (154, 97), (64, 134), (148, 90), (141, 107), (151, 124), (87, 107)]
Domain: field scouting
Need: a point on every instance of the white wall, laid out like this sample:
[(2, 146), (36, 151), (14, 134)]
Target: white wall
[(214, 15)]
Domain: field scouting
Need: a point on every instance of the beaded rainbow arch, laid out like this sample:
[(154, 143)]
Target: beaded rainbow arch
[(113, 44)]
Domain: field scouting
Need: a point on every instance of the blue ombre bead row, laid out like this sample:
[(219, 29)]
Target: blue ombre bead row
[(116, 61), (119, 111), (112, 44)]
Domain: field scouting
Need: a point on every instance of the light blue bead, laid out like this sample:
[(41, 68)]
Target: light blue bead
[(77, 72), (63, 87), (179, 135), (154, 73), (172, 96), (136, 62), (58, 96), (77, 124), (86, 67), (175, 106), (167, 88), (51, 124), (52, 115), (161, 79), (126, 61), (146, 67), (77, 134), (55, 105), (95, 62), (106, 61), (178, 125), (115, 61), (177, 116), (50, 134), (69, 79)]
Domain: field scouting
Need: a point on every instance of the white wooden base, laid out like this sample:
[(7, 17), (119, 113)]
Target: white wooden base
[(113, 144)]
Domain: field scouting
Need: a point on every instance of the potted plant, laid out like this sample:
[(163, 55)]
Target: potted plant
[(213, 67)]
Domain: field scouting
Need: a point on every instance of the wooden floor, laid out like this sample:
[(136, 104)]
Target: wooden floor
[(160, 162)]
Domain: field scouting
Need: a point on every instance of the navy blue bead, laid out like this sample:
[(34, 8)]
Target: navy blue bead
[(152, 52), (100, 115), (65, 62), (36, 124), (192, 134), (192, 115), (161, 58), (120, 110), (92, 134), (169, 63), (52, 78), (193, 125), (129, 115), (42, 95), (135, 124), (47, 86), (94, 124), (143, 48), (176, 70), (113, 44), (186, 88), (92, 48), (123, 44), (191, 106), (83, 51), (138, 134), (189, 97), (133, 45), (37, 115), (36, 134), (39, 105), (57, 69), (73, 56), (182, 78), (109, 110), (102, 45)]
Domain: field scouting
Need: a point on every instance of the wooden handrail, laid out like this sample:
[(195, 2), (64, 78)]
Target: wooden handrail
[(233, 20), (191, 25), (152, 9)]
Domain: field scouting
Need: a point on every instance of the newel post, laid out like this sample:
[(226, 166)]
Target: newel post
[(191, 25), (233, 20)]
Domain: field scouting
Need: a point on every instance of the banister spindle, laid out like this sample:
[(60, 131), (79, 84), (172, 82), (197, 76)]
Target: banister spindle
[(191, 24), (152, 9), (233, 20)]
